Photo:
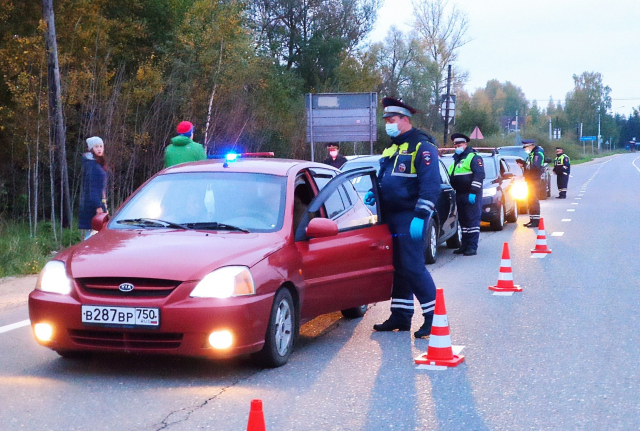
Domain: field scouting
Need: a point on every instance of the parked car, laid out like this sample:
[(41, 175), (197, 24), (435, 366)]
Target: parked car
[(519, 190), (498, 205), (545, 178), (218, 259), (443, 227)]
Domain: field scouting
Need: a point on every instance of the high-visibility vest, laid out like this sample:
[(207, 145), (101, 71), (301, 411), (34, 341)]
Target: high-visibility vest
[(463, 167), (559, 161), (404, 158)]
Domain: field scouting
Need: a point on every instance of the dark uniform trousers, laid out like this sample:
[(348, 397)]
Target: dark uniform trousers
[(410, 276), (563, 182), (534, 201), (469, 218)]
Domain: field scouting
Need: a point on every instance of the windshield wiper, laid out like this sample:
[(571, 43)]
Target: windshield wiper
[(149, 222), (215, 226)]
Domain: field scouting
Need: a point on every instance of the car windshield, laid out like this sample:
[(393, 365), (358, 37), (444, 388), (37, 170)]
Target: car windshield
[(514, 167), (207, 200), (489, 167)]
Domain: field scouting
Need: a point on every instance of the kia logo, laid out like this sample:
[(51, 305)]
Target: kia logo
[(126, 287)]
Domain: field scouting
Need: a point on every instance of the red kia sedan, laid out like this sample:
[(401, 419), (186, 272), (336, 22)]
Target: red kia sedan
[(218, 259)]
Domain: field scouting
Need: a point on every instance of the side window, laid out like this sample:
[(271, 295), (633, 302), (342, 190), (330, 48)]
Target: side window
[(444, 175), (302, 197), (335, 204), (503, 167), (322, 176)]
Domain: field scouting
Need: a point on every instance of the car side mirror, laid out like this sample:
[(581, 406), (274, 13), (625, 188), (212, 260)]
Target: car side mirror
[(508, 175), (99, 221), (322, 228)]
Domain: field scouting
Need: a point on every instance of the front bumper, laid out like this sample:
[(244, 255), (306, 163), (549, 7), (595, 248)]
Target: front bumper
[(490, 210)]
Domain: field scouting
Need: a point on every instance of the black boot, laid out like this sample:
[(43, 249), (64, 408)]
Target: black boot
[(425, 329), (531, 224), (461, 250), (392, 324), (469, 252)]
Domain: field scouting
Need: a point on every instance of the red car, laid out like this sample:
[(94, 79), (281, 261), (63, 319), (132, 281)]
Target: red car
[(217, 259)]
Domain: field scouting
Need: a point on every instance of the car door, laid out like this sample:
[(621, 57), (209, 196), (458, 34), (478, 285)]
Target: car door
[(353, 267), (506, 182), (447, 210)]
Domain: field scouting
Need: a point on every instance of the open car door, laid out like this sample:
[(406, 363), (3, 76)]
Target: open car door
[(346, 250)]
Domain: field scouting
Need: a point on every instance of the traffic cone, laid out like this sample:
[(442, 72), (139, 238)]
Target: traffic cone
[(505, 277), (256, 417), (541, 240), (440, 352)]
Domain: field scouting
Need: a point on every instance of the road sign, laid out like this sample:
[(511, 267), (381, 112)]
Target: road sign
[(452, 106), (476, 134), (588, 138), (341, 117)]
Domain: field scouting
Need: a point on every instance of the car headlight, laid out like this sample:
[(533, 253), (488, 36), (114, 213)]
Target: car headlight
[(519, 191), (489, 192), (224, 283), (53, 278)]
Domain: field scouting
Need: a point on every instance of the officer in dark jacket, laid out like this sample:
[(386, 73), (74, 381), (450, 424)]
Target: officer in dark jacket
[(409, 179), (562, 168), (467, 175), (532, 172), (335, 159)]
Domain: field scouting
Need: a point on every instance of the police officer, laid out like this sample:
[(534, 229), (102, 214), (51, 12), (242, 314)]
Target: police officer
[(335, 159), (562, 168), (409, 180), (532, 173), (467, 174)]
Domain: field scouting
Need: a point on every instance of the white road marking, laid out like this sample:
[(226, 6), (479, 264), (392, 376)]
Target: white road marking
[(557, 234), (578, 199), (566, 219), (581, 194), (634, 163), (570, 210), (574, 203), (502, 293), (13, 326), (538, 255)]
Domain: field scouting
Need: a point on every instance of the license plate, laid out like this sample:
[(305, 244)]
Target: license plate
[(121, 316)]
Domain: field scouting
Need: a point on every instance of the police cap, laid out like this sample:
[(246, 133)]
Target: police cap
[(559, 148), (332, 144), (458, 138), (528, 142), (395, 107)]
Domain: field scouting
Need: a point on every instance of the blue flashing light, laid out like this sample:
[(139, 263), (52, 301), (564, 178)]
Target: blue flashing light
[(231, 157)]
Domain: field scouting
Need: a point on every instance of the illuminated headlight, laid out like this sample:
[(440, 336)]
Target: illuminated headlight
[(489, 192), (225, 283), (43, 331), (519, 191), (53, 278), (221, 339)]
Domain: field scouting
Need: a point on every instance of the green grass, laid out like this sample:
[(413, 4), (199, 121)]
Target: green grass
[(21, 254), (590, 157)]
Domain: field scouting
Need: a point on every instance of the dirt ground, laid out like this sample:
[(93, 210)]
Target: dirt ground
[(14, 291)]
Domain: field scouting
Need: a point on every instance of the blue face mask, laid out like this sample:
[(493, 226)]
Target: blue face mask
[(392, 130), (459, 150)]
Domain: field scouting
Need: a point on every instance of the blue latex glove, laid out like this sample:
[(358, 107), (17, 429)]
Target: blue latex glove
[(369, 198), (416, 228), (472, 198)]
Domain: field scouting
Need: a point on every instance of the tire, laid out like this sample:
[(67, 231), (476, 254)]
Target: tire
[(456, 239), (431, 243), (281, 331), (355, 312), (513, 216), (498, 224)]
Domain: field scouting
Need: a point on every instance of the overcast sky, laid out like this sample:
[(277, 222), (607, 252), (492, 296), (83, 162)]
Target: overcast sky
[(539, 45)]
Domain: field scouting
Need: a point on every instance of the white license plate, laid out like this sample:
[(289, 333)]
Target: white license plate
[(121, 316)]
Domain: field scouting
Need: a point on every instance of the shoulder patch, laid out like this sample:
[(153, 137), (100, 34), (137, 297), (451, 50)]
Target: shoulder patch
[(426, 157), (479, 161)]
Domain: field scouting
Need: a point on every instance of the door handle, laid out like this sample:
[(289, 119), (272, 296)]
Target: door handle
[(380, 245)]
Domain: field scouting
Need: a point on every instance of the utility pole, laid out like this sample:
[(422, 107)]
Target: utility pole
[(517, 124), (598, 133), (550, 131), (446, 114), (56, 117)]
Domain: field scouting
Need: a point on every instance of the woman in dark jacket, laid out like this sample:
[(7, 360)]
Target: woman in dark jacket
[(94, 184)]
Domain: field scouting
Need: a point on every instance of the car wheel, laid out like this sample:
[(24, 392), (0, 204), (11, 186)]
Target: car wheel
[(498, 223), (513, 216), (278, 342), (355, 312), (431, 248), (456, 239)]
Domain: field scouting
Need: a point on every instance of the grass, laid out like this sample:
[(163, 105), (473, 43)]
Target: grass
[(21, 254), (590, 157)]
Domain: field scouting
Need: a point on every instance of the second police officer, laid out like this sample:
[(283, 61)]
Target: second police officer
[(562, 168), (467, 175), (532, 172), (409, 180)]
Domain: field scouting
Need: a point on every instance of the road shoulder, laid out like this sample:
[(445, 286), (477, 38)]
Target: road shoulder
[(14, 291)]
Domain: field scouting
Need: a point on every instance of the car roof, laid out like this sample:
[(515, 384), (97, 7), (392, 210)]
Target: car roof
[(249, 165)]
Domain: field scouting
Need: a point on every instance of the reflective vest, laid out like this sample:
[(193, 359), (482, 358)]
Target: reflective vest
[(559, 161), (463, 167), (404, 164)]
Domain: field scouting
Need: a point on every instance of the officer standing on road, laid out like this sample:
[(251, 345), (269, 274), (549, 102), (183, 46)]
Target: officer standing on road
[(467, 175), (335, 159), (532, 173), (562, 168), (409, 180)]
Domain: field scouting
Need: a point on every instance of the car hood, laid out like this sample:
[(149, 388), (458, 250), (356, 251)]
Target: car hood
[(166, 254)]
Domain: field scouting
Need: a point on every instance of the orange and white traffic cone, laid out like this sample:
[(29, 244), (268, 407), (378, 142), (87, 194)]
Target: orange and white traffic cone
[(256, 417), (505, 277), (541, 240), (440, 352)]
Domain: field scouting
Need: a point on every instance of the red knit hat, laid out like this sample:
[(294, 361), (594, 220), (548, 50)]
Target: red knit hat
[(184, 127)]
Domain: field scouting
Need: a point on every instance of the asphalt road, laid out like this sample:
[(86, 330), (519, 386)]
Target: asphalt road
[(562, 354)]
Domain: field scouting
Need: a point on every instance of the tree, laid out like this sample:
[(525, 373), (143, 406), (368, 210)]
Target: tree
[(589, 98)]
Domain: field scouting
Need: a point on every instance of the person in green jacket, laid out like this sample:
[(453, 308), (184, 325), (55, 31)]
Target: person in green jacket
[(182, 148)]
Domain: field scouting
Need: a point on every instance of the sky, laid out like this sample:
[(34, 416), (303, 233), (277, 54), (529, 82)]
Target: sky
[(538, 45)]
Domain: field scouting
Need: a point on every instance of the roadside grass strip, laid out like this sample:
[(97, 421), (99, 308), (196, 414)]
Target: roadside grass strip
[(13, 326), (456, 351), (557, 234)]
